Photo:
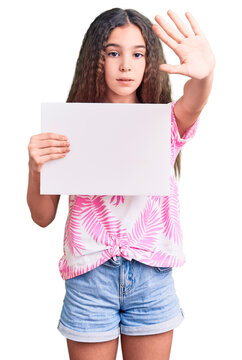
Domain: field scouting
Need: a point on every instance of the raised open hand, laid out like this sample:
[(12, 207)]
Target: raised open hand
[(196, 57)]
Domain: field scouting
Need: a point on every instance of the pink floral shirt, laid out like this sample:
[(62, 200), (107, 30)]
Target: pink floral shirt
[(144, 228)]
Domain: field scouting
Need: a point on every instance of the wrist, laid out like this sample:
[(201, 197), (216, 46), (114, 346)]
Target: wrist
[(32, 171), (204, 82), (209, 75), (211, 70)]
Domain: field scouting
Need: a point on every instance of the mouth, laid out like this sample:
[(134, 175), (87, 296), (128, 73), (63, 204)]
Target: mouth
[(125, 79)]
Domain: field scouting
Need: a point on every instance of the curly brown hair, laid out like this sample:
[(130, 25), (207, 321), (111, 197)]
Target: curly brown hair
[(89, 85)]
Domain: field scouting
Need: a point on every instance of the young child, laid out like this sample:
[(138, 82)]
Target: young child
[(119, 251)]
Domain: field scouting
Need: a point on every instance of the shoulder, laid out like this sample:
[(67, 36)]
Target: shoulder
[(179, 136)]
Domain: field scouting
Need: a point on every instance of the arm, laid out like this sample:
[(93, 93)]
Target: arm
[(42, 148), (42, 207), (189, 106), (196, 61)]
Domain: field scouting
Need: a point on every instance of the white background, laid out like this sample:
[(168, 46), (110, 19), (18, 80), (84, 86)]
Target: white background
[(39, 48)]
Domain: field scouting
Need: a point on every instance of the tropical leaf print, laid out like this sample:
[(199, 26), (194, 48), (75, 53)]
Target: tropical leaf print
[(176, 140), (97, 219), (118, 199), (72, 237), (146, 228), (170, 214)]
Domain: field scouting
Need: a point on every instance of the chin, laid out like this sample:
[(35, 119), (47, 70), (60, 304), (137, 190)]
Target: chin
[(124, 92)]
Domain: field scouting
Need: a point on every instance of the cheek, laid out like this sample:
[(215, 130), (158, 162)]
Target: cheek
[(108, 71), (142, 69)]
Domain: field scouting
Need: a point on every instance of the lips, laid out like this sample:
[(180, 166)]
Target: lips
[(125, 79)]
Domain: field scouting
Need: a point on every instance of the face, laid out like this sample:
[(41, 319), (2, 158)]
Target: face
[(124, 59)]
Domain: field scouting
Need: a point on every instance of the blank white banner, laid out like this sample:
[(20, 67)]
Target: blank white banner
[(116, 149)]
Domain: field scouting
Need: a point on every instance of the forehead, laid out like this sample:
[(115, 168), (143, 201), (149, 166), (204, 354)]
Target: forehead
[(126, 35)]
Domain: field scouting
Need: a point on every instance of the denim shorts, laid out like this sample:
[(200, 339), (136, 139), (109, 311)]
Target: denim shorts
[(119, 296)]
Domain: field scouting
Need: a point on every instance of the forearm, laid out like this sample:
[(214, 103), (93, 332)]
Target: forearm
[(196, 93), (41, 206)]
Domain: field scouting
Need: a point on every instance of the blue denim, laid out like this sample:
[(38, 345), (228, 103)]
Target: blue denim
[(119, 296)]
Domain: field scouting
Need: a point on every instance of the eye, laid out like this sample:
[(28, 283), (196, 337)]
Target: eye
[(112, 52), (138, 54)]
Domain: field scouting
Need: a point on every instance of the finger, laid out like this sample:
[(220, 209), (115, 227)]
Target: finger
[(164, 37), (179, 23), (174, 34), (49, 157), (48, 143), (54, 150), (195, 27), (174, 69), (49, 135)]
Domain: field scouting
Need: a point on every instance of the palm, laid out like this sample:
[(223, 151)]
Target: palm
[(196, 57)]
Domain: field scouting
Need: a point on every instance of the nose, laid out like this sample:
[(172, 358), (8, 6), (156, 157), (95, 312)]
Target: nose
[(125, 66)]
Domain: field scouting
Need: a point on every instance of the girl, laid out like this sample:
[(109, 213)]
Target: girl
[(119, 251)]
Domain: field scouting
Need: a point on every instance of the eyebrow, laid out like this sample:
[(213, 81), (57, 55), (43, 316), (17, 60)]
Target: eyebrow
[(116, 45)]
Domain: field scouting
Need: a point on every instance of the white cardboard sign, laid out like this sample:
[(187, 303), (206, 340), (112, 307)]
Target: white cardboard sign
[(116, 149)]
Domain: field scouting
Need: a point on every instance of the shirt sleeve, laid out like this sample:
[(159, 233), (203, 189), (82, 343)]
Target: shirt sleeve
[(176, 140)]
